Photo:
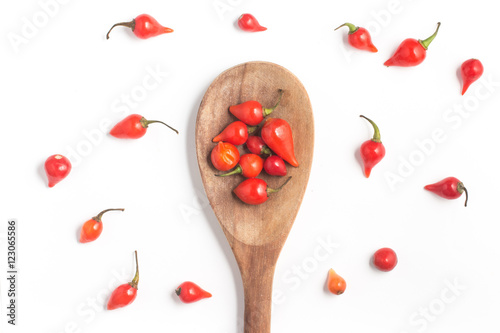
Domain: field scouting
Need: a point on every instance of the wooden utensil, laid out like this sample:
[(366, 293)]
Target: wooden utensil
[(256, 234)]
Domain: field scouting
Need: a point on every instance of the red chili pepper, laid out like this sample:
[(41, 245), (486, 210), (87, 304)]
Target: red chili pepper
[(190, 292), (126, 293), (251, 112), (134, 127), (449, 188), (92, 229), (247, 22), (57, 167), (257, 146), (372, 151), (336, 283), (235, 133), (411, 52), (385, 259), (144, 26), (277, 134), (471, 70), (225, 156), (250, 166), (254, 191), (359, 38), (275, 166)]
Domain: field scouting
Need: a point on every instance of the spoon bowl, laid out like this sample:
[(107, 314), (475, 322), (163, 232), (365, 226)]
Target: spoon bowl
[(256, 234)]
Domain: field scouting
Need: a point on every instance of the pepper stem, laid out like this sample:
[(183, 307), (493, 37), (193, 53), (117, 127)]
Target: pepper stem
[(352, 27), (251, 129), (267, 111), (145, 123), (130, 25), (266, 151), (461, 188), (135, 281), (272, 190), (425, 43), (376, 133), (235, 171), (99, 216)]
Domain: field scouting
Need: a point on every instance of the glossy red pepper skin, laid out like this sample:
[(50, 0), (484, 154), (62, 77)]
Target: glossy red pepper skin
[(144, 26), (225, 156), (411, 52), (257, 146), (250, 166), (190, 292), (449, 188), (248, 22), (235, 133), (372, 151), (57, 167), (385, 259), (471, 70), (134, 127), (251, 112), (126, 293), (275, 166), (92, 229), (359, 38), (254, 191), (277, 134)]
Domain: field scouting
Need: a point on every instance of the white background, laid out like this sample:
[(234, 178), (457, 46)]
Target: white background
[(66, 78)]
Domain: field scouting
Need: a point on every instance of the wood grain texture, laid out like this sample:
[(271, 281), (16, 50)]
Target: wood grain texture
[(256, 234)]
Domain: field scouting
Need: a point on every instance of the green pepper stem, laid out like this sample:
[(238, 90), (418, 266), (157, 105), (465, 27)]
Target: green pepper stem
[(266, 151), (130, 25), (235, 171), (135, 281), (425, 43), (252, 129), (99, 216), (376, 133), (267, 111), (145, 123), (352, 27), (272, 190)]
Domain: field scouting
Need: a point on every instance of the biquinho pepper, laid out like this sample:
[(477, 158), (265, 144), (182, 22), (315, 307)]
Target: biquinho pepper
[(235, 133), (92, 229), (372, 151), (335, 283), (359, 38), (449, 188), (275, 166), (143, 26), (224, 156), (471, 70), (126, 293), (190, 292), (251, 112), (277, 134), (257, 146), (411, 52), (254, 191), (134, 127), (248, 22), (57, 167), (250, 166)]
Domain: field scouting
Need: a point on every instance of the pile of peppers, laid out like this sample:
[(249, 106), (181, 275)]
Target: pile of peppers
[(269, 151)]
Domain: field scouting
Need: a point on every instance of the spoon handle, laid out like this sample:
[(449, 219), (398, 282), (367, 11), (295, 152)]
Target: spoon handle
[(257, 272)]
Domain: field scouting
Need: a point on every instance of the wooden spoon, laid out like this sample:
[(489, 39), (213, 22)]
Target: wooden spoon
[(256, 233)]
